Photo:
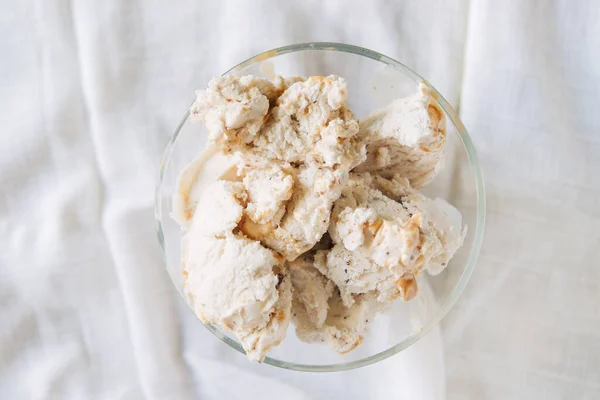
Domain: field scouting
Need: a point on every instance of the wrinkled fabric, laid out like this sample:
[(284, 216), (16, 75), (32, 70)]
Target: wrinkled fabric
[(90, 93)]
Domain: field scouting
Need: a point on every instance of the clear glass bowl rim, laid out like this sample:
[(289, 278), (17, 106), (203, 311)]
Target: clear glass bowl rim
[(473, 163)]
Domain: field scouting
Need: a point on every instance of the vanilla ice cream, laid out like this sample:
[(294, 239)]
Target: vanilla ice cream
[(381, 243), (295, 211), (405, 138), (320, 315), (441, 225), (311, 123)]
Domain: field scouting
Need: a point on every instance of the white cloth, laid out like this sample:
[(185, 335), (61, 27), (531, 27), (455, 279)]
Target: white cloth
[(89, 92), (527, 325)]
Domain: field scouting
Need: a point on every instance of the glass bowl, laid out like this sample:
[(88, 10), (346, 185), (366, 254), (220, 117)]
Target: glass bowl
[(374, 80)]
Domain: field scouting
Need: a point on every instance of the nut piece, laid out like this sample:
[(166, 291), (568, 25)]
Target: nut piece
[(408, 286)]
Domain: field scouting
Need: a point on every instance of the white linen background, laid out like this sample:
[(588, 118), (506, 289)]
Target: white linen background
[(89, 92)]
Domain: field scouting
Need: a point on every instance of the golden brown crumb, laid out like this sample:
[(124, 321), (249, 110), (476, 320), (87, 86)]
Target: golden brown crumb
[(253, 230), (408, 285)]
